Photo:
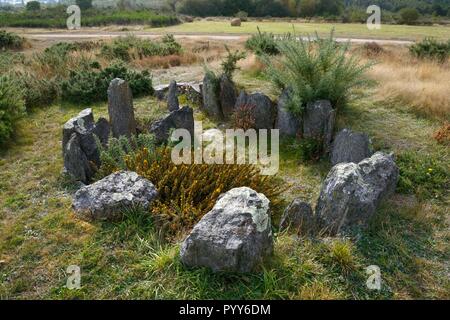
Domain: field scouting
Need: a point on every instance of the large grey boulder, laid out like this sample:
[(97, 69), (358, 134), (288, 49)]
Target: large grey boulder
[(172, 97), (76, 164), (83, 154), (106, 199), (227, 96), (298, 216), (210, 93), (180, 119), (264, 112), (318, 122), (234, 236), (349, 146), (120, 109), (287, 123), (352, 192)]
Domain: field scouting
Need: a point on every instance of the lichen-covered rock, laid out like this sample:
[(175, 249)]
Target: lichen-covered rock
[(298, 216), (228, 95), (180, 119), (106, 199), (287, 123), (235, 235), (76, 164), (172, 97), (318, 122), (264, 112), (210, 93), (349, 146), (352, 192), (120, 109)]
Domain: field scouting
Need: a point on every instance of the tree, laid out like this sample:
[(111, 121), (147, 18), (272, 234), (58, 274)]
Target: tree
[(33, 6), (308, 8), (409, 15), (84, 4)]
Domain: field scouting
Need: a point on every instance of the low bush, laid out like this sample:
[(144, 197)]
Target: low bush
[(422, 174), (9, 40), (262, 43), (430, 48), (12, 107), (229, 64), (37, 92), (315, 70), (88, 85)]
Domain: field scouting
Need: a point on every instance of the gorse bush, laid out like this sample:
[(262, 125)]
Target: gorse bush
[(37, 92), (89, 85), (430, 48), (9, 40), (315, 70), (12, 107), (131, 47), (262, 43), (229, 64)]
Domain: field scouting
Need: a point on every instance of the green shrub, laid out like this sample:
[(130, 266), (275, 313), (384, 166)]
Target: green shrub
[(33, 6), (86, 85), (425, 175), (37, 92), (12, 107), (315, 70), (9, 40), (430, 48), (409, 15), (262, 43), (229, 64)]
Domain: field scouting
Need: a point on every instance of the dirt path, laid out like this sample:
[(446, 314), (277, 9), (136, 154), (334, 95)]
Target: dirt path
[(64, 36)]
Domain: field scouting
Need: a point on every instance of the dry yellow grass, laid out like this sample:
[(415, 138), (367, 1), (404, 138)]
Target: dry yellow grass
[(422, 86)]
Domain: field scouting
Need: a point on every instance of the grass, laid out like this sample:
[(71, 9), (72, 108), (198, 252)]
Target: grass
[(40, 237), (400, 32)]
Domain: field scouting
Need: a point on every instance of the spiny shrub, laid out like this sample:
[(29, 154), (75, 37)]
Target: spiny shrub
[(9, 40), (315, 70), (113, 155), (262, 43), (430, 48), (188, 191), (87, 85), (310, 148), (229, 64), (12, 107), (426, 176), (131, 47), (243, 117)]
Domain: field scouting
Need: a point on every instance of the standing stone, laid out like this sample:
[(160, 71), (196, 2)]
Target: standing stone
[(180, 119), (83, 122), (318, 122), (298, 216), (107, 199), (349, 146), (172, 97), (263, 109), (210, 92), (228, 95), (120, 109), (76, 163), (102, 130), (287, 123), (236, 235), (352, 192)]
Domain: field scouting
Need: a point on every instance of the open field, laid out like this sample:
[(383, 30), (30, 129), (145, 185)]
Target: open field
[(409, 238), (399, 32)]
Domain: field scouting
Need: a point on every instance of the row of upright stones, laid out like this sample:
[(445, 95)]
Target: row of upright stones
[(236, 235)]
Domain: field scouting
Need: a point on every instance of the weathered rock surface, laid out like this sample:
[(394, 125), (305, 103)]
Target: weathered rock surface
[(210, 93), (180, 119), (349, 146), (82, 153), (298, 216), (120, 109), (235, 235), (286, 122), (264, 111), (227, 96), (318, 122), (106, 199), (192, 90), (172, 97), (352, 192)]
